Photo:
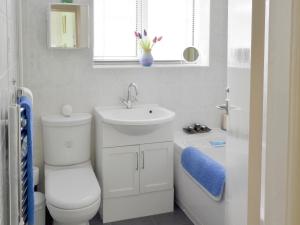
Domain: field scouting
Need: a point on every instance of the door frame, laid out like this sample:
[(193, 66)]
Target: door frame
[(256, 111), (283, 156), (293, 203)]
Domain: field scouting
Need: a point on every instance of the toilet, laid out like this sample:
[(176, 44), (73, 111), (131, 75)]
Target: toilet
[(72, 191)]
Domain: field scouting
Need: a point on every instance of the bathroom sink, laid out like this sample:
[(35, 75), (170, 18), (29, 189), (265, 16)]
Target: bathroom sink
[(142, 115)]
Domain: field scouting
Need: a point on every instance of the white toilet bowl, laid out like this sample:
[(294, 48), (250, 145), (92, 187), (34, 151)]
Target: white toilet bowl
[(71, 189), (72, 194)]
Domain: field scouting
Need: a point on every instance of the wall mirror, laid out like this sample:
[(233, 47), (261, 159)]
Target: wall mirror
[(68, 26), (191, 55)]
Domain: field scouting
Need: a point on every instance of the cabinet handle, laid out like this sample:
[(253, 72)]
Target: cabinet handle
[(143, 153), (137, 161)]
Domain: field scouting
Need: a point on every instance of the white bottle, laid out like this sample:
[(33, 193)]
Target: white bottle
[(224, 124)]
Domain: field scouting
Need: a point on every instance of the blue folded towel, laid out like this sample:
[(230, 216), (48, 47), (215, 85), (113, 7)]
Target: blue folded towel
[(25, 103), (206, 171)]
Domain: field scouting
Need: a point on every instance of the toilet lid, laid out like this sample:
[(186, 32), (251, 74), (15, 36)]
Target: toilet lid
[(72, 188)]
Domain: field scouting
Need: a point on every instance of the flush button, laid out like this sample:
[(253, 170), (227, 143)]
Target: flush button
[(68, 144)]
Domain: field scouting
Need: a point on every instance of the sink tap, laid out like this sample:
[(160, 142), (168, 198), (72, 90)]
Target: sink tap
[(131, 96)]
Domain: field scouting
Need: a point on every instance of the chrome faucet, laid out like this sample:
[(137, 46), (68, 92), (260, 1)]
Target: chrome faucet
[(131, 96), (225, 106)]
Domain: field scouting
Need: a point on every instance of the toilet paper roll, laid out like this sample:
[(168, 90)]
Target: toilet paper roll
[(36, 175)]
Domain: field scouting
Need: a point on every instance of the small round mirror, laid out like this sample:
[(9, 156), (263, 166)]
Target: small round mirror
[(191, 54)]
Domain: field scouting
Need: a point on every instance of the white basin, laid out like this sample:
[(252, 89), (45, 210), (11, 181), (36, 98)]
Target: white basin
[(142, 115)]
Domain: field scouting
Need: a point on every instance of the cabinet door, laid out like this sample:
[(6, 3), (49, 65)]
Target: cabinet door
[(120, 171), (156, 167)]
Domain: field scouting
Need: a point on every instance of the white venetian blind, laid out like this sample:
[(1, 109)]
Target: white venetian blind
[(173, 20), (114, 23), (182, 23)]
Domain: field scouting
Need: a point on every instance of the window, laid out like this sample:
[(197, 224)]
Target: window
[(182, 23)]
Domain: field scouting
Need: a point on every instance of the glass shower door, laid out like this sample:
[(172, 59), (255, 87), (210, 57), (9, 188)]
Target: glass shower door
[(238, 81)]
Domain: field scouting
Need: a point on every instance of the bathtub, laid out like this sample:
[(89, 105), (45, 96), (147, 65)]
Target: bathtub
[(189, 196)]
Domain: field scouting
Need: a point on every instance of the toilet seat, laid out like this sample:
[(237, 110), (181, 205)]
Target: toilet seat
[(71, 188), (74, 216)]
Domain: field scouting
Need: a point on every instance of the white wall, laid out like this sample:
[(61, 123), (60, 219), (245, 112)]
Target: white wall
[(57, 77), (8, 72)]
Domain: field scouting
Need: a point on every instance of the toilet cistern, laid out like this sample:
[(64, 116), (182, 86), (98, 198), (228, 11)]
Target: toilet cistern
[(131, 96)]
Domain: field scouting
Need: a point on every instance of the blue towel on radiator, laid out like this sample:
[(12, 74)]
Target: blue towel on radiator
[(25, 103), (206, 171)]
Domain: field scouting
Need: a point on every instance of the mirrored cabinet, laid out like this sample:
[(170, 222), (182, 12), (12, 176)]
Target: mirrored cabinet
[(68, 26)]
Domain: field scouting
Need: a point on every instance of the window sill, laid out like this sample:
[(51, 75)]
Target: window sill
[(155, 65)]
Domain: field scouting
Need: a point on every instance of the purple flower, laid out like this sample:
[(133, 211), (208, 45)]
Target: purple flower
[(155, 40), (159, 39), (137, 35), (145, 33)]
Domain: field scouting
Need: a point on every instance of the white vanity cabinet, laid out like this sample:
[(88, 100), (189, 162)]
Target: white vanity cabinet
[(131, 170), (134, 166), (121, 171), (156, 167)]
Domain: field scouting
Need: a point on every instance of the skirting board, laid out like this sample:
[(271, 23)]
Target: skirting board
[(116, 209)]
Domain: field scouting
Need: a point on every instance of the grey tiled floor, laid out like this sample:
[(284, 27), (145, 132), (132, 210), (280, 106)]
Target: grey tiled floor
[(175, 218)]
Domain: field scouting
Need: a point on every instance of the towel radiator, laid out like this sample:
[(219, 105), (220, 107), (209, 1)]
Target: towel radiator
[(17, 165)]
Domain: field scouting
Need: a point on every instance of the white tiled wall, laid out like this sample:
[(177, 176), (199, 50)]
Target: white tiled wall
[(8, 72), (57, 77)]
